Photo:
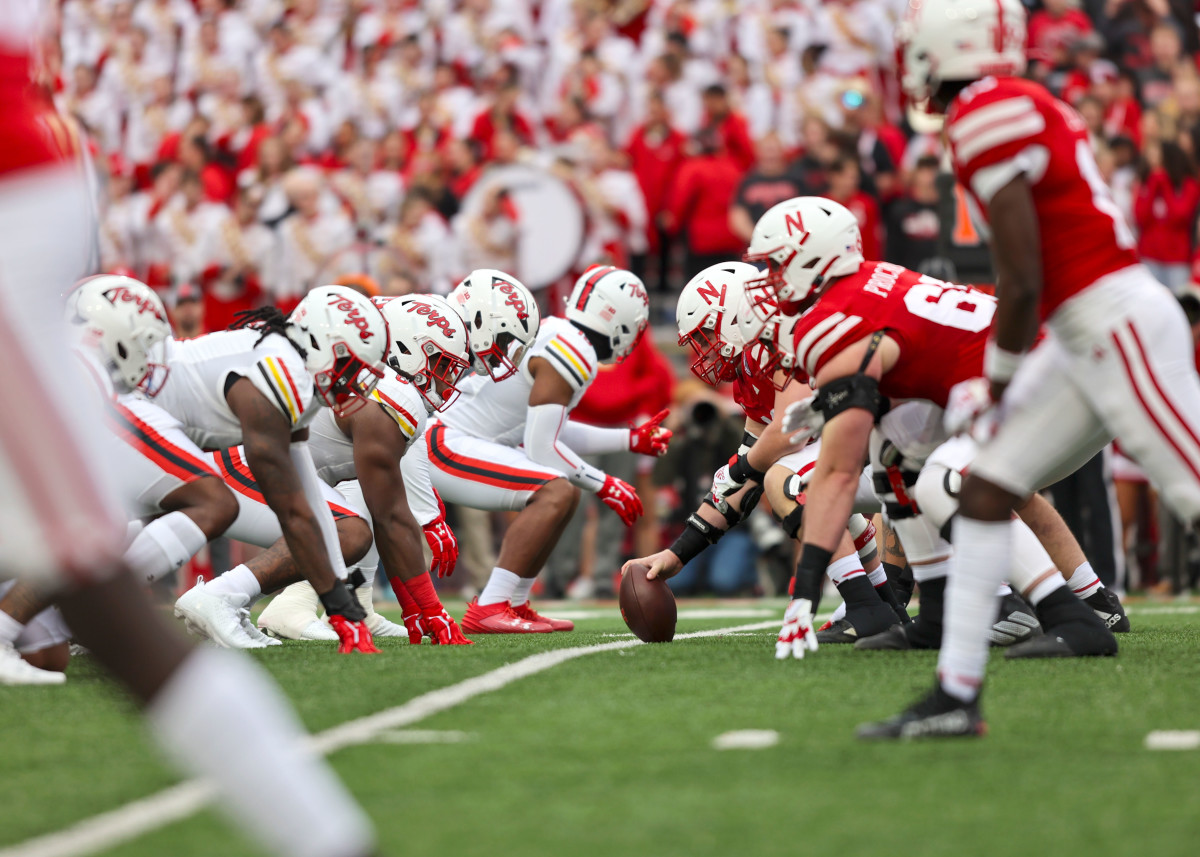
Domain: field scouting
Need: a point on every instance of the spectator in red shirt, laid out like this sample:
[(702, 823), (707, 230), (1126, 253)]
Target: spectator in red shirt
[(1052, 30), (1165, 209), (656, 151), (698, 206), (845, 186), (730, 127), (502, 115)]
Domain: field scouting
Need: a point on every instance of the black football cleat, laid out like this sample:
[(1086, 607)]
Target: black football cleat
[(1017, 622), (1070, 640), (936, 715), (1110, 610), (903, 638), (841, 632)]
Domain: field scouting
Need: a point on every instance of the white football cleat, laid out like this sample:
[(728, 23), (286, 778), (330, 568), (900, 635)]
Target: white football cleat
[(253, 633), (15, 670), (318, 629), (214, 616), (383, 627)]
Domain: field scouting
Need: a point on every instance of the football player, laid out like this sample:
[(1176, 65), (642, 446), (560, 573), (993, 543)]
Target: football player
[(509, 445), (217, 716), (711, 319), (360, 453), (262, 385), (1117, 360)]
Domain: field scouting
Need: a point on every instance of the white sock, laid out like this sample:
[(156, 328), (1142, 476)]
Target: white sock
[(931, 570), (877, 576), (521, 593), (839, 614), (164, 545), (846, 568), (1051, 584), (501, 587), (237, 581), (1002, 590), (220, 717), (10, 628), (982, 551), (1084, 581)]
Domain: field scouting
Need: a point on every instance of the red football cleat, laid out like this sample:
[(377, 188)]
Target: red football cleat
[(828, 624), (526, 612), (499, 619), (416, 633)]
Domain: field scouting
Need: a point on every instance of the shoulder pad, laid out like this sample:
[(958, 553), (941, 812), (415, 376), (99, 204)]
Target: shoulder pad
[(286, 383), (401, 402)]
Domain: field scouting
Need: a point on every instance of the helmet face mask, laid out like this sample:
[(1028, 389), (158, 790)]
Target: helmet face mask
[(428, 347), (345, 386), (708, 316), (345, 342)]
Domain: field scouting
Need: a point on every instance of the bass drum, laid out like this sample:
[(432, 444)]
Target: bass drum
[(550, 225)]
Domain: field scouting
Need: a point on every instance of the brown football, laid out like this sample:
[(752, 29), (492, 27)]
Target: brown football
[(647, 606)]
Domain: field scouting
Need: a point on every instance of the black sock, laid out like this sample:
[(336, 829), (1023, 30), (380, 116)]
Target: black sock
[(926, 629), (888, 595), (865, 609), (901, 579), (1061, 606)]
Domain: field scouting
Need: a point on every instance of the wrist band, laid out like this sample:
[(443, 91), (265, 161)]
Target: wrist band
[(1000, 365), (696, 536), (810, 572), (743, 472)]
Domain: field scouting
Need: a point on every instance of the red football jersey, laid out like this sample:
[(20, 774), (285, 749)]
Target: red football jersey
[(755, 396), (941, 328), (999, 128)]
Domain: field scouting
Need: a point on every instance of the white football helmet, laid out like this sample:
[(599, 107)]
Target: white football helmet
[(613, 303), (804, 241), (123, 319), (942, 40), (707, 317), (345, 340), (428, 346), (502, 320), (768, 347)]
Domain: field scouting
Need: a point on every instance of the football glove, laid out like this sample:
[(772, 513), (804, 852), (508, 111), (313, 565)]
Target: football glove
[(797, 635), (442, 542), (802, 422), (621, 497), (650, 438)]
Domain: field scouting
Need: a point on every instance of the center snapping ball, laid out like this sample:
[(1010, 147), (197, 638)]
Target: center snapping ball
[(647, 606)]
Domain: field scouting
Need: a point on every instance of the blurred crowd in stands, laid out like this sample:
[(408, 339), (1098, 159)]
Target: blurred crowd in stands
[(244, 151)]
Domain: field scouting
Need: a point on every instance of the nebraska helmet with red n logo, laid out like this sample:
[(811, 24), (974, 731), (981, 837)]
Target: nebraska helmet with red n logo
[(428, 346), (707, 319), (123, 319), (611, 302), (803, 241), (502, 320), (344, 338)]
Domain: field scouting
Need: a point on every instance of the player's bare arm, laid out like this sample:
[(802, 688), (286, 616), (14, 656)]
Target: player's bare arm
[(1017, 254), (267, 437), (378, 447)]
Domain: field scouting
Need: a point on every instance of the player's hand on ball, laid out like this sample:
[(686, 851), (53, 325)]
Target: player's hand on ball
[(663, 564), (797, 635), (802, 422)]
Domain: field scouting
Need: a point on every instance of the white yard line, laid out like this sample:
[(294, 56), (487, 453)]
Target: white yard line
[(110, 829)]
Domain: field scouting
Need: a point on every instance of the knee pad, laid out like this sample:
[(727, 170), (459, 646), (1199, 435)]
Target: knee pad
[(936, 493), (920, 539), (792, 521)]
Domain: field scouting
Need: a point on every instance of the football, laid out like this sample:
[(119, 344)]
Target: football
[(647, 606)]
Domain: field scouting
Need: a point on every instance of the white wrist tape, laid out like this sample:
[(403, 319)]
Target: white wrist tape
[(1000, 365)]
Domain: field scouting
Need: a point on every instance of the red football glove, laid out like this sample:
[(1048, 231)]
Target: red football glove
[(442, 542), (650, 438), (353, 636), (620, 496), (442, 628)]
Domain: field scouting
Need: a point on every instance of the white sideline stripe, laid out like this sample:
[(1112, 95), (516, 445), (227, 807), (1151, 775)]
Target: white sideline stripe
[(1138, 610), (746, 739), (685, 613), (1172, 739), (424, 736), (139, 817)]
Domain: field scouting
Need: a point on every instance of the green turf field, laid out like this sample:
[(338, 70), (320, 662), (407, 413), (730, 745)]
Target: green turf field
[(611, 753)]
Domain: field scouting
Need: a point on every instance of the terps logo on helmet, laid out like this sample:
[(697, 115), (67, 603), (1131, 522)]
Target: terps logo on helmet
[(433, 317), (122, 294), (513, 299), (353, 316)]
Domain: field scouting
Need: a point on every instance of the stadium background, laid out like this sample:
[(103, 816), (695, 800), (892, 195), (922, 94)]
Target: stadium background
[(244, 151)]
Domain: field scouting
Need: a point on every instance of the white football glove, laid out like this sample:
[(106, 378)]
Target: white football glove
[(801, 422), (971, 411), (797, 634), (724, 485)]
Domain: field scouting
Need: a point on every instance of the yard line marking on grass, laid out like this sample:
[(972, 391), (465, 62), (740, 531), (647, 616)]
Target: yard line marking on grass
[(424, 736), (1173, 739), (746, 739), (137, 818), (684, 613), (1139, 610)]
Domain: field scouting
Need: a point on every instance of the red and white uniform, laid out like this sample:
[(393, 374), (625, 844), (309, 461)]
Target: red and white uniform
[(58, 517), (941, 328), (1118, 360), (474, 455)]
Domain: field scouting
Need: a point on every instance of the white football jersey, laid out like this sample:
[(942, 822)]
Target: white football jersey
[(194, 392), (333, 451), (496, 411)]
